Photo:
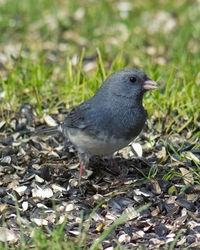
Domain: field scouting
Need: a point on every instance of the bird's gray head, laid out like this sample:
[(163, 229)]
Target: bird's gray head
[(129, 83)]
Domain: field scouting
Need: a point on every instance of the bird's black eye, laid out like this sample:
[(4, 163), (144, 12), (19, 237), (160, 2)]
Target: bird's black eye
[(133, 79)]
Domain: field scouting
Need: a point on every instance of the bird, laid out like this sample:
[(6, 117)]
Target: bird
[(111, 119)]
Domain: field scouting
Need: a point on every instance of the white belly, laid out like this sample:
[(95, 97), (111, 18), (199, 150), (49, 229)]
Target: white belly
[(94, 146)]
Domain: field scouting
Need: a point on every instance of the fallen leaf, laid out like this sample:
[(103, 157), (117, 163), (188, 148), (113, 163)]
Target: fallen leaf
[(187, 176), (7, 235)]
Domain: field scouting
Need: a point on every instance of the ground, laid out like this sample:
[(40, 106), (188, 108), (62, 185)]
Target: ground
[(39, 186)]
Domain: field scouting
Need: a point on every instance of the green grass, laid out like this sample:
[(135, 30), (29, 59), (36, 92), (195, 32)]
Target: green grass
[(40, 39), (46, 238), (40, 69)]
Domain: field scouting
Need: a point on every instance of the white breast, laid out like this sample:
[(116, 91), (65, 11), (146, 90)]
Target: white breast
[(96, 146)]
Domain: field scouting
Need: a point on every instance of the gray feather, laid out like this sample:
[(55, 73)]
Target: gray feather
[(46, 131)]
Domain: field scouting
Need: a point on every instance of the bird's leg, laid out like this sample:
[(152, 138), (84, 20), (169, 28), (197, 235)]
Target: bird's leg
[(113, 166), (80, 172), (116, 166), (118, 169), (84, 161)]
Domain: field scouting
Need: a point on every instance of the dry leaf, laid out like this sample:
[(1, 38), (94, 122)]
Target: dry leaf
[(7, 235), (187, 176)]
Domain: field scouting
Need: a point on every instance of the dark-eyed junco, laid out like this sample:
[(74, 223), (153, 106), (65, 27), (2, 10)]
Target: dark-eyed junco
[(111, 119)]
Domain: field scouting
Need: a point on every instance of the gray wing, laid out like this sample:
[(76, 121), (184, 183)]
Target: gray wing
[(84, 117), (76, 118)]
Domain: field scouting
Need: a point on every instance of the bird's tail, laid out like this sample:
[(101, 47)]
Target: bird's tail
[(45, 131)]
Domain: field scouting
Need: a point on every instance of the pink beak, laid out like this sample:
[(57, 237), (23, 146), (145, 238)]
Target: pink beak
[(150, 85)]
